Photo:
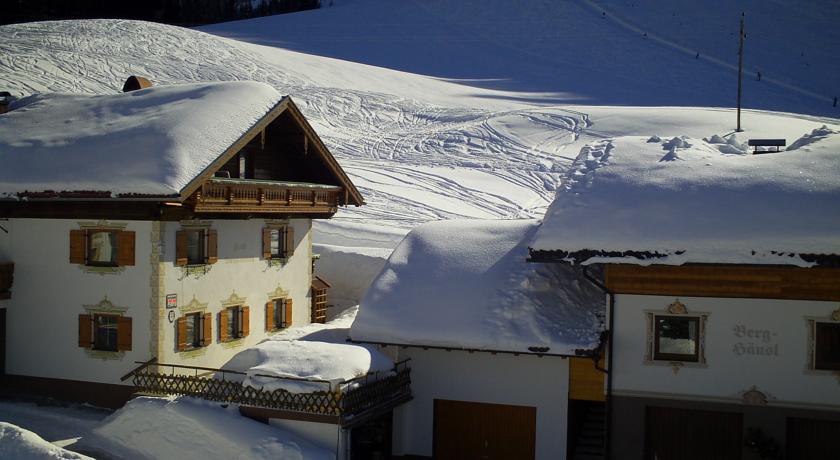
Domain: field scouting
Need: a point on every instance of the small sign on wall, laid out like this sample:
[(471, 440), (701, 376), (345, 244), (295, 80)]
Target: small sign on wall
[(171, 301)]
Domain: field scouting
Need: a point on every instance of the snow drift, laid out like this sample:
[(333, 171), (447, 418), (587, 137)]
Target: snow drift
[(20, 444)]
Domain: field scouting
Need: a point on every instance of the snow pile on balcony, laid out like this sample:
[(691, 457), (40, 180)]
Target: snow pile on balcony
[(157, 428), (467, 284), (689, 200), (151, 141), (18, 443), (334, 363)]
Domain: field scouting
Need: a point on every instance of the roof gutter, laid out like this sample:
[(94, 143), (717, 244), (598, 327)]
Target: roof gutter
[(538, 354), (609, 361)]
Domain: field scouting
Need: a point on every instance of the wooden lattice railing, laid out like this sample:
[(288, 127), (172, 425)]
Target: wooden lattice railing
[(345, 401), (230, 195)]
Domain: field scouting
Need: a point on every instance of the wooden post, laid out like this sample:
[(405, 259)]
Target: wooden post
[(741, 37)]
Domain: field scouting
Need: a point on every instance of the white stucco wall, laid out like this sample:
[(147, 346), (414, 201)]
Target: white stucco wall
[(48, 295), (482, 377), (324, 435), (749, 342), (240, 270)]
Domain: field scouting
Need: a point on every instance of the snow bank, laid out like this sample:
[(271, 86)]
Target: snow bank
[(156, 428), (466, 284), (152, 141), (302, 359), (349, 270), (704, 206), (20, 444)]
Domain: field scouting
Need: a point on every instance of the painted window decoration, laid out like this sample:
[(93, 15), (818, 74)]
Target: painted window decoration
[(827, 346), (196, 246), (193, 331), (234, 323), (278, 242), (676, 338), (102, 247), (278, 314), (105, 332)]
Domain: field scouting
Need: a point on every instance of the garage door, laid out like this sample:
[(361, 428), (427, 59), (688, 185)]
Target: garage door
[(812, 439), (680, 434), (468, 430)]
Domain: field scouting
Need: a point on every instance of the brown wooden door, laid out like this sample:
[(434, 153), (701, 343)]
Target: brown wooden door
[(478, 431), (812, 439), (681, 434)]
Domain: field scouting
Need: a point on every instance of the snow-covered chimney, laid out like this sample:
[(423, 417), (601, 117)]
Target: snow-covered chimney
[(134, 83)]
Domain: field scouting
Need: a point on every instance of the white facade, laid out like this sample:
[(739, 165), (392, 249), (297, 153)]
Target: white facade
[(760, 344), (49, 294), (523, 380)]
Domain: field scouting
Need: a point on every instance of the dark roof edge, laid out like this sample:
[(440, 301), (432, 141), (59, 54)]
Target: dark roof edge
[(579, 353), (582, 256)]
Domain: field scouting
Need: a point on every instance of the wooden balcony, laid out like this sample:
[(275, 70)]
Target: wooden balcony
[(220, 195), (7, 271), (347, 404)]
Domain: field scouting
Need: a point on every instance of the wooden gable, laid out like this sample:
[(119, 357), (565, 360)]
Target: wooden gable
[(282, 147)]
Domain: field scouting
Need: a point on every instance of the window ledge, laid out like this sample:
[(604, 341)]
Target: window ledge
[(195, 270), (105, 355), (277, 262), (102, 270), (192, 352), (676, 365), (234, 343)]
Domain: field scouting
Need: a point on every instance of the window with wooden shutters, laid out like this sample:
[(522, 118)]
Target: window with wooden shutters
[(827, 346), (207, 330), (196, 246), (193, 331), (102, 247), (278, 314), (105, 332), (278, 242), (233, 323)]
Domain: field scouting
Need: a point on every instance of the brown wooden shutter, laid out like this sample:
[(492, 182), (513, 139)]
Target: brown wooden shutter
[(85, 331), (223, 326), (266, 243), (289, 248), (207, 330), (288, 312), (125, 249), (212, 246), (78, 251), (181, 248), (123, 334), (269, 316), (246, 322), (182, 333)]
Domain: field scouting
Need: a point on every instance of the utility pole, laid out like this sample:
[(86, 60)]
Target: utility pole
[(741, 37)]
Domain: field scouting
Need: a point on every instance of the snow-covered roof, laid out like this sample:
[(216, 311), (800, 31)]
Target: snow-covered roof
[(467, 285), (150, 141), (684, 200)]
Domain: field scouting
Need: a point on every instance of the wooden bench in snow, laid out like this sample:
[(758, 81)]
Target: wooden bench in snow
[(756, 143)]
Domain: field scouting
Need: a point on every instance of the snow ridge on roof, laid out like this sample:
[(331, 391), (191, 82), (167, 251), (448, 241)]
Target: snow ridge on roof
[(697, 200), (467, 284), (150, 141)]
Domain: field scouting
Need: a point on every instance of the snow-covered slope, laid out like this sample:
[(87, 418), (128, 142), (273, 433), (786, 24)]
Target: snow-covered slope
[(605, 52), (483, 144), (18, 443)]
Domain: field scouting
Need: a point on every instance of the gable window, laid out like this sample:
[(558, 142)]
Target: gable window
[(676, 338), (827, 346), (278, 242), (102, 247), (278, 314), (233, 323), (105, 332), (196, 246), (194, 331)]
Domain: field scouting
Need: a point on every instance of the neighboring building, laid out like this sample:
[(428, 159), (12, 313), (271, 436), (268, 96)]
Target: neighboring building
[(497, 350), (169, 223), (723, 278)]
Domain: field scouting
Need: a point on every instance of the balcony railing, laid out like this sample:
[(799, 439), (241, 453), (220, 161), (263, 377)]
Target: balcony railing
[(245, 195), (348, 403), (7, 271)]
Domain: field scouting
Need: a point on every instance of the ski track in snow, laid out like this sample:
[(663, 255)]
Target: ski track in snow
[(421, 147)]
